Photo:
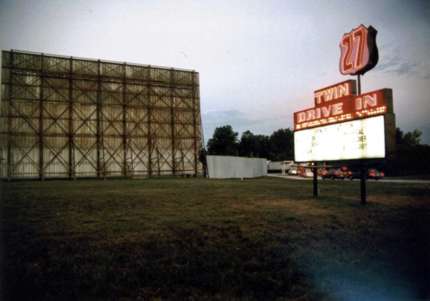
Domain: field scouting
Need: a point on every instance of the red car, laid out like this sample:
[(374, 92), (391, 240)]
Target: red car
[(346, 172), (333, 173), (371, 174), (322, 172), (375, 174), (305, 172)]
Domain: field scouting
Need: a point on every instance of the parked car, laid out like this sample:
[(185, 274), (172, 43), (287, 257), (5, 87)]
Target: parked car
[(333, 173), (286, 165), (322, 172), (372, 173), (292, 171), (375, 174), (346, 172), (305, 172)]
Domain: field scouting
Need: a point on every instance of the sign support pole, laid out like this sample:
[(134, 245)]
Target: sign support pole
[(315, 180), (363, 169), (358, 84), (363, 184)]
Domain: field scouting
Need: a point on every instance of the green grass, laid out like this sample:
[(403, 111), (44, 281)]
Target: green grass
[(261, 239)]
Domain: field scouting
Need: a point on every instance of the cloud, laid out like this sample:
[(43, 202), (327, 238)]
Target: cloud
[(238, 120), (396, 64)]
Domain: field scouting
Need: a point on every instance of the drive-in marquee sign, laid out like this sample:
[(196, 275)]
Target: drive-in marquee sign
[(345, 124), (347, 128), (346, 108)]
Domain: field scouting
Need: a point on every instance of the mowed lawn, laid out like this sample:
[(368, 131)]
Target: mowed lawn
[(200, 239)]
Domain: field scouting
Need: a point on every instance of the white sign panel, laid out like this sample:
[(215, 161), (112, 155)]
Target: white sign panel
[(357, 139)]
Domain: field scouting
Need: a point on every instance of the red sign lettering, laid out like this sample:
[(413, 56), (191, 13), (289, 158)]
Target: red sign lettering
[(327, 94), (344, 109)]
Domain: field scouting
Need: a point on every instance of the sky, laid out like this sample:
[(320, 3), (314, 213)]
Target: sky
[(259, 61)]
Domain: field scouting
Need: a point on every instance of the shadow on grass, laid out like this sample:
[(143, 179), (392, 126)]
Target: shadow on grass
[(203, 262)]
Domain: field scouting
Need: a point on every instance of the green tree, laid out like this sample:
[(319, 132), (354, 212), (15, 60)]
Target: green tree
[(411, 156), (247, 144), (251, 145), (399, 136), (409, 139), (282, 145), (223, 142), (413, 138), (262, 147)]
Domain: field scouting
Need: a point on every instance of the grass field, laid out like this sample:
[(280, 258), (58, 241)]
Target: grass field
[(261, 239)]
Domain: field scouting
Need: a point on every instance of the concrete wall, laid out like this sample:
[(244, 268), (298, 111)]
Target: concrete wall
[(224, 167)]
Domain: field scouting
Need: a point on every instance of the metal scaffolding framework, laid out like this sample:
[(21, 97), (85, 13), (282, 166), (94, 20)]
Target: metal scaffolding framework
[(72, 117)]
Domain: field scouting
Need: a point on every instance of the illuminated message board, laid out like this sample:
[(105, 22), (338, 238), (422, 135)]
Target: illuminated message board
[(357, 139)]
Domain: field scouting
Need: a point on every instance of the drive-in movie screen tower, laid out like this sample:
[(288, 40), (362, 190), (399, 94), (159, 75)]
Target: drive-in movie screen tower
[(71, 117)]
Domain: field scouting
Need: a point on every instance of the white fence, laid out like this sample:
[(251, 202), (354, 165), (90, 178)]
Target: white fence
[(225, 167)]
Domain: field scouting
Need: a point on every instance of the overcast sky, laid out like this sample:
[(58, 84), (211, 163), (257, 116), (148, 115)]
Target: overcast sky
[(259, 61)]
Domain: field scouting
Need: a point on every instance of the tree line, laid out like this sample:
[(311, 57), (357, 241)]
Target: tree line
[(411, 156), (276, 147)]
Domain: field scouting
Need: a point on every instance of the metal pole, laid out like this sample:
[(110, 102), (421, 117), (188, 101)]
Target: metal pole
[(315, 180), (358, 84), (363, 184), (363, 169)]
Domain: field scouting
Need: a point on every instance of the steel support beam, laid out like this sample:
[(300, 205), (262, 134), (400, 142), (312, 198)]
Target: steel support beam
[(71, 169), (149, 114), (98, 123), (9, 119), (194, 74), (124, 124), (172, 121), (41, 148)]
